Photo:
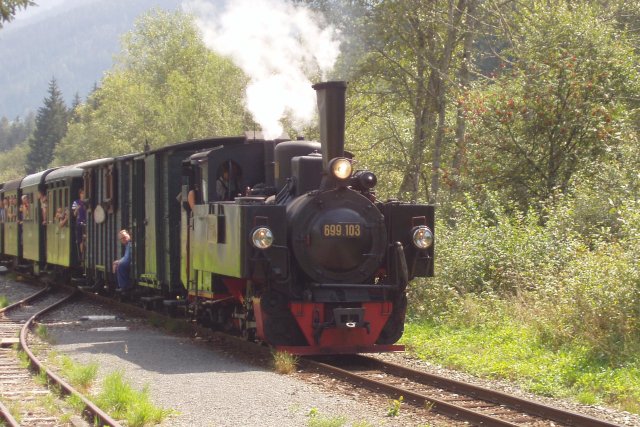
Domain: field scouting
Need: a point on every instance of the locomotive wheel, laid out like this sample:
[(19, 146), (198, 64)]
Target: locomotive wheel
[(394, 328)]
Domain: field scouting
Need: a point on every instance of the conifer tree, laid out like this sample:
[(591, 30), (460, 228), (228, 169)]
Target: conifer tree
[(74, 114), (51, 127)]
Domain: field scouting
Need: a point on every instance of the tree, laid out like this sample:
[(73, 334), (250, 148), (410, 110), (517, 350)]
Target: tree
[(51, 127), (14, 132), (74, 117), (408, 55), (166, 87), (561, 105), (8, 9), (12, 162)]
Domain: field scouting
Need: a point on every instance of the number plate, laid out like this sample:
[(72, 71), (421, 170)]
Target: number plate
[(341, 230)]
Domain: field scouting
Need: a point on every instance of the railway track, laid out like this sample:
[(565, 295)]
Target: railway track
[(16, 382), (475, 405)]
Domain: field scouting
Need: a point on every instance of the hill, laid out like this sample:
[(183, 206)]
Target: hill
[(75, 41)]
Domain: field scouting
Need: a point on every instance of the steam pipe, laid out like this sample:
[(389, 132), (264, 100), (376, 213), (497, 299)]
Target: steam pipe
[(331, 106)]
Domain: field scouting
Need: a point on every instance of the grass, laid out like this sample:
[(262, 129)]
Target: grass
[(80, 376), (283, 362), (3, 301), (318, 420), (75, 402), (23, 357), (117, 397), (122, 401), (512, 351), (43, 333), (42, 378), (394, 407), (15, 409)]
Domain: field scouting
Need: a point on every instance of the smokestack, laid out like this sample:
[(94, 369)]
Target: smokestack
[(331, 105)]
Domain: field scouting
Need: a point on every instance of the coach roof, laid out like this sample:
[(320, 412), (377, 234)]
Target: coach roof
[(64, 173), (35, 178), (12, 185)]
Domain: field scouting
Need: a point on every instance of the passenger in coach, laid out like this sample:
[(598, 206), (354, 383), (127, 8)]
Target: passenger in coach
[(79, 210), (42, 196), (24, 207), (122, 266), (4, 205)]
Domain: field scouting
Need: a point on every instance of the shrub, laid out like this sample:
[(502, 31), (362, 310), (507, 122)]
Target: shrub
[(492, 260)]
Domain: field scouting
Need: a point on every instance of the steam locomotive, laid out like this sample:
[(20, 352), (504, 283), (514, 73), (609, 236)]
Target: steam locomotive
[(279, 240)]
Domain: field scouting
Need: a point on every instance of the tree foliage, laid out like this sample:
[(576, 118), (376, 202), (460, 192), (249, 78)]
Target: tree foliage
[(14, 132), (8, 9), (559, 106), (51, 127), (409, 53), (12, 162), (166, 87)]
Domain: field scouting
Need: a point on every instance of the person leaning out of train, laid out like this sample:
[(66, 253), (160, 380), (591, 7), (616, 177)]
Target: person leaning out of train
[(122, 266), (42, 196), (11, 209), (61, 217), (24, 207), (79, 210), (192, 198), (6, 209)]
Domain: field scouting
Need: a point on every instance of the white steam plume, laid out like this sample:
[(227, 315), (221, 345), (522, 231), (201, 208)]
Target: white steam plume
[(278, 45)]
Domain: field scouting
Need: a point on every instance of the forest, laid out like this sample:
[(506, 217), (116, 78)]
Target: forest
[(519, 120)]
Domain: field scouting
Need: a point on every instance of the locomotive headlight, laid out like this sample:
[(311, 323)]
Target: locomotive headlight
[(422, 237), (340, 168), (262, 238)]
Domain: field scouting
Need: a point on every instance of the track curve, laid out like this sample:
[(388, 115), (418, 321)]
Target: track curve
[(22, 316)]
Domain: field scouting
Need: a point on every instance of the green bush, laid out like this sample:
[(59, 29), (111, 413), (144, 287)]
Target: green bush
[(572, 287)]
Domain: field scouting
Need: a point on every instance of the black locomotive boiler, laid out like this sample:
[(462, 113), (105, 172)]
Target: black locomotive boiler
[(282, 241)]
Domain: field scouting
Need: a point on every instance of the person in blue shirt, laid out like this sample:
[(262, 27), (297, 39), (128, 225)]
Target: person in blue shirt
[(79, 209), (122, 266)]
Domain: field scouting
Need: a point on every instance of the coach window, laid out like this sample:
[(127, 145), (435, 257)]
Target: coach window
[(87, 181), (31, 207), (14, 207), (59, 206)]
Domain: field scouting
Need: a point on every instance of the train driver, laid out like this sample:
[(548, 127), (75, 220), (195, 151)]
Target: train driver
[(227, 187)]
